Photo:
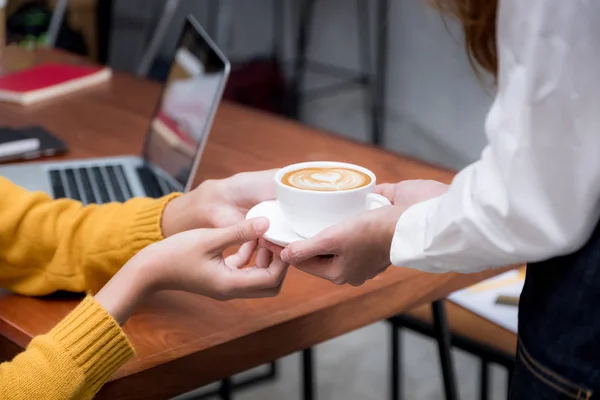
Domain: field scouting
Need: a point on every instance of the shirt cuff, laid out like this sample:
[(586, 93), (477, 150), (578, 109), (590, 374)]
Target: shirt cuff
[(95, 342), (410, 239)]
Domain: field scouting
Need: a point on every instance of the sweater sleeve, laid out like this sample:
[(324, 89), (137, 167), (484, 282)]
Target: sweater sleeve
[(48, 245), (72, 361)]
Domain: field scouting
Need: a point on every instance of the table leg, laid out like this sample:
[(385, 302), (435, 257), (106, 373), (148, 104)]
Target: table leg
[(228, 387), (225, 392), (509, 380), (396, 359), (308, 392), (484, 378), (442, 335), (272, 374)]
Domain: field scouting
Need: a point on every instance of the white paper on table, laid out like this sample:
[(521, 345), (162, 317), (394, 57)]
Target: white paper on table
[(481, 298)]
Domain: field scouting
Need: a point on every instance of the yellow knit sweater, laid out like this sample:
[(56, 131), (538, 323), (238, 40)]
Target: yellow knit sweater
[(48, 245)]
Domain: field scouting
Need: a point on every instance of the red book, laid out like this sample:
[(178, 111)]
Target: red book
[(49, 80)]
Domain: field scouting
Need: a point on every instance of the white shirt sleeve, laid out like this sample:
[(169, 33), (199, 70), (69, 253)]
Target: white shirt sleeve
[(535, 192)]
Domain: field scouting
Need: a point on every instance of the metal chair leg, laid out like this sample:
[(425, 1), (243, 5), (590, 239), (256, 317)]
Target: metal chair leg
[(308, 391), (225, 392), (279, 32), (484, 380), (367, 80), (213, 16), (56, 21), (379, 96), (305, 21), (156, 41), (396, 359), (442, 334)]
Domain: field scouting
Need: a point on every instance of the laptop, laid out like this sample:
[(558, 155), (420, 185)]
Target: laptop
[(174, 143)]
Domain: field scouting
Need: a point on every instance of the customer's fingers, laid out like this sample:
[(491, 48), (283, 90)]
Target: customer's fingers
[(243, 255), (272, 247), (266, 293), (242, 232), (256, 278), (264, 257)]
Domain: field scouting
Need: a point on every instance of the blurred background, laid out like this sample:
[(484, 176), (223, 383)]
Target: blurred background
[(433, 106)]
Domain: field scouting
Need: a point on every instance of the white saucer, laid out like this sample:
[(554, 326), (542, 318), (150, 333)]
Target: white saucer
[(279, 233)]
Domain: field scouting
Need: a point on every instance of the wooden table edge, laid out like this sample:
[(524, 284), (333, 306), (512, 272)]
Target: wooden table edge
[(211, 364)]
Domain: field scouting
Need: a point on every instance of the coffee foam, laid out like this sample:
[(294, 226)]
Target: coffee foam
[(326, 179)]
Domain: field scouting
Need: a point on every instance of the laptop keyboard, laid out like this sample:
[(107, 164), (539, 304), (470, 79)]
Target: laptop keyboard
[(151, 183), (98, 184), (104, 184)]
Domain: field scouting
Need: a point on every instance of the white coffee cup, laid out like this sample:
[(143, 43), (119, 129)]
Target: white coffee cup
[(308, 212)]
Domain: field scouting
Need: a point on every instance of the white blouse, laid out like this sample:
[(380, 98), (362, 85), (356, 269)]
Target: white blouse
[(535, 192)]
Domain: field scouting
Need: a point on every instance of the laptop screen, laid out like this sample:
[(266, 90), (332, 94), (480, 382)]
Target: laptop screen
[(191, 95)]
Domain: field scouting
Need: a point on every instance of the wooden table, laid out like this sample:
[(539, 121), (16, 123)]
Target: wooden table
[(184, 341)]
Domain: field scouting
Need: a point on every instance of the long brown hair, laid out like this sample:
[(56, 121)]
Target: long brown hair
[(478, 19)]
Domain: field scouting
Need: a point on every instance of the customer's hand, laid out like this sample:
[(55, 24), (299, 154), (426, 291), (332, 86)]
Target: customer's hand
[(218, 203), (359, 249), (193, 261)]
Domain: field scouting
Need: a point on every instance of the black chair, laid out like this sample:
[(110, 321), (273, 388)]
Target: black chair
[(468, 332), (371, 80), (438, 329)]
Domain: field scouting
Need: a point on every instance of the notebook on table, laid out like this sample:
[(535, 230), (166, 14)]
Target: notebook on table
[(481, 298), (14, 144), (28, 142)]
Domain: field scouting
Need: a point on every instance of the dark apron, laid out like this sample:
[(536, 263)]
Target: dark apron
[(559, 328)]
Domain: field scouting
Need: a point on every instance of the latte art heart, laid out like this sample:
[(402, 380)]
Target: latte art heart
[(326, 179)]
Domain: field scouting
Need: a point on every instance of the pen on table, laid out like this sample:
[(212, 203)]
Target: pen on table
[(508, 300)]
